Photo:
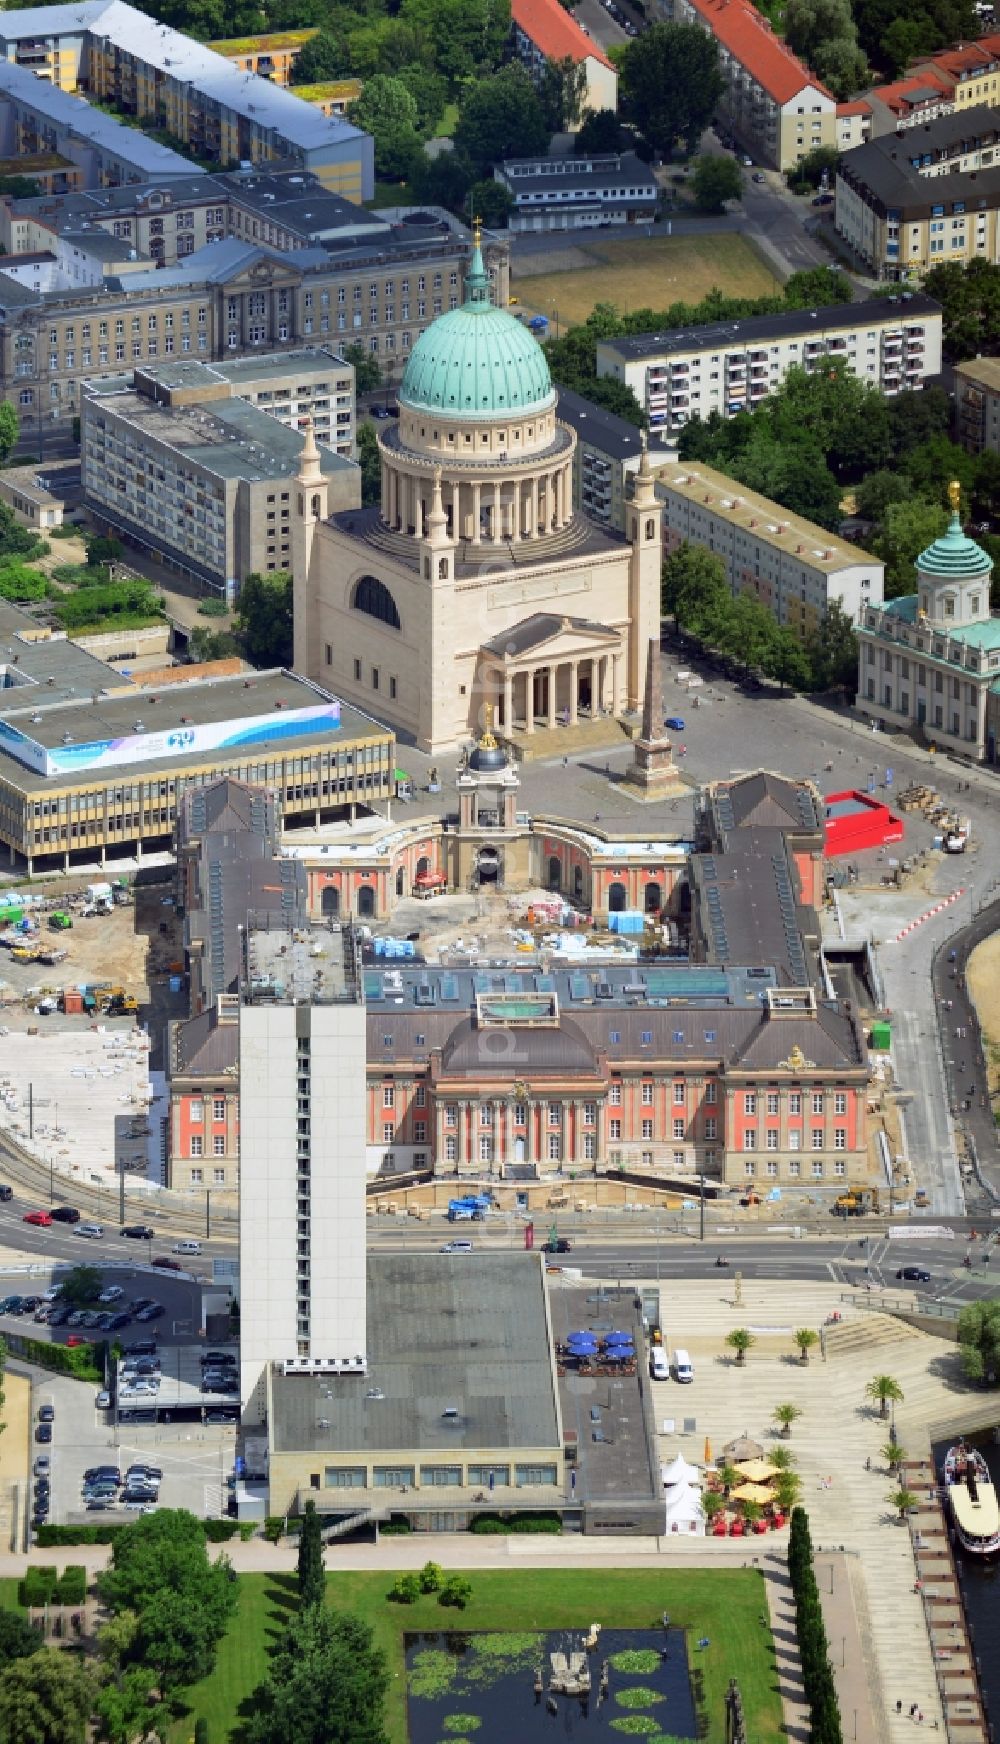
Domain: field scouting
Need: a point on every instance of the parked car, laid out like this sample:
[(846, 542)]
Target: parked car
[(139, 1232), (103, 1400), (142, 1346), (152, 1473), (113, 1293), (758, 176), (675, 723), (66, 1214), (153, 1312), (11, 1305), (42, 1218), (166, 1264), (42, 1465), (823, 200), (43, 1433), (46, 1413), (117, 1321), (59, 1316)]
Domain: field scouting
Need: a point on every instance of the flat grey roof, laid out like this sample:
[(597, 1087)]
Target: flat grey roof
[(230, 438), (601, 429), (754, 328), (46, 670), (80, 117), (201, 702), (467, 1331)]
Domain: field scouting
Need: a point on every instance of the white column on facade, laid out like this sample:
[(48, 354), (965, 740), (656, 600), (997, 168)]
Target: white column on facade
[(516, 513), (508, 702), (533, 507), (574, 691), (496, 529), (552, 671), (529, 701), (477, 532), (615, 683)]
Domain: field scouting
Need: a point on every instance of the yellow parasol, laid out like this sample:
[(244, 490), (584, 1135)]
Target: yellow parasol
[(756, 1471), (753, 1493), (708, 1451)]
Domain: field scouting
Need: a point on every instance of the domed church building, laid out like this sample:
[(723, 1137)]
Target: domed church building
[(474, 580)]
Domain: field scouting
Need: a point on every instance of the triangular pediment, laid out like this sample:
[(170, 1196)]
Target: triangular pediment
[(545, 637)]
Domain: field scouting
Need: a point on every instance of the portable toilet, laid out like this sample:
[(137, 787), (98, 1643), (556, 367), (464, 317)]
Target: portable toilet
[(881, 1036)]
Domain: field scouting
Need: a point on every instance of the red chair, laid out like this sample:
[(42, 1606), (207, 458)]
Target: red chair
[(719, 1527), (760, 1525), (736, 1529), (777, 1521)]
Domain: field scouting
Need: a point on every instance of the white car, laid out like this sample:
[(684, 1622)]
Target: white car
[(113, 1293), (457, 1247), (92, 1231), (103, 1400)]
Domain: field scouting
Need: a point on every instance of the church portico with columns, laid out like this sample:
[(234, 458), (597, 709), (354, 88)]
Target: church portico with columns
[(473, 581)]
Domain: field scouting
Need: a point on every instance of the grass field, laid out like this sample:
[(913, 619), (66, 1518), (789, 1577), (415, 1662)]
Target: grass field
[(638, 274), (724, 1606)]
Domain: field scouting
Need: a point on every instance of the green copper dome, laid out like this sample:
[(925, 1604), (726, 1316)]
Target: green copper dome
[(953, 557), (477, 361)]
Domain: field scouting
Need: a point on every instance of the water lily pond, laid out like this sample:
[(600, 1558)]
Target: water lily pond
[(486, 1689)]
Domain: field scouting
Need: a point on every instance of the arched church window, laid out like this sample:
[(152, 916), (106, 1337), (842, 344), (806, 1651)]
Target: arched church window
[(373, 597)]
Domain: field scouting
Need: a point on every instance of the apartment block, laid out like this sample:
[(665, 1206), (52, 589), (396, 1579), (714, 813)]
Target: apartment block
[(177, 462), (578, 193), (271, 56), (302, 1042), (908, 201), (729, 367), (772, 103), (226, 300), (544, 31), (210, 105), (607, 454), (38, 118), (793, 567), (977, 395)]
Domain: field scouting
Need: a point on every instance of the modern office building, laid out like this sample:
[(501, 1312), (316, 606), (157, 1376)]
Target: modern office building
[(605, 461), (731, 366), (544, 31), (94, 765), (302, 1156), (793, 567), (909, 201), (977, 395), (452, 592), (176, 460), (772, 103), (230, 298), (578, 193), (929, 662), (201, 99)]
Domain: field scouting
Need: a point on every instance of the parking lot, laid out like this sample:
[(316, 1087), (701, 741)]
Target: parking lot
[(195, 1459)]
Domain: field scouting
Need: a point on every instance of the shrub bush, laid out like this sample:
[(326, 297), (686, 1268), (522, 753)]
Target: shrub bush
[(397, 1526), (493, 1523), (37, 1586), (431, 1577), (274, 1527), (201, 1732), (213, 608), (19, 582), (49, 1536), (456, 1592), (405, 1589), (71, 1588), (220, 1531)]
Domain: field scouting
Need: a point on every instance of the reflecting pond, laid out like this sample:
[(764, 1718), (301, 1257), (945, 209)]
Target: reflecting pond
[(491, 1688)]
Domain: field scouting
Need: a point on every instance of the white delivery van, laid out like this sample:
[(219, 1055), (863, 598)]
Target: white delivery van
[(187, 1247), (659, 1366), (683, 1367)]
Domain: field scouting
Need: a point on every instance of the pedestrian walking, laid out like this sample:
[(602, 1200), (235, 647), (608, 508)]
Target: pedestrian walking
[(899, 1707)]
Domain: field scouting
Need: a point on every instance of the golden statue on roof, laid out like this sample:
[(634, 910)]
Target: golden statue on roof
[(487, 742), (955, 495)]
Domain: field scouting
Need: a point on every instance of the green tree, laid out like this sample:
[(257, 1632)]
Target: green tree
[(367, 375), (20, 187), (787, 1487), (325, 1684), (18, 1639), (713, 1503), (311, 1572), (822, 160), (805, 1338), (387, 111), (321, 59), (875, 493), (265, 618), (740, 1340), (600, 132), (81, 1286), (181, 1602), (832, 651), (817, 287), (907, 529), (10, 430), (445, 180), (370, 464), (979, 1341), (931, 467), (670, 84), (205, 645), (388, 45), (468, 35), (492, 202), (501, 117), (903, 1500), (694, 588), (715, 178), (562, 90), (127, 1706), (841, 63), (916, 416), (970, 302), (893, 1454), (429, 92), (785, 1416), (102, 551), (784, 658), (45, 1699), (886, 1390)]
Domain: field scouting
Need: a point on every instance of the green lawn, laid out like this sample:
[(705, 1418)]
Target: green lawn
[(448, 122), (724, 1605), (8, 1593)]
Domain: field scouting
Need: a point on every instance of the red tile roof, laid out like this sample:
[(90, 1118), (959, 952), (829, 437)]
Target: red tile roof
[(968, 58), (898, 96), (860, 107), (750, 39), (555, 32)]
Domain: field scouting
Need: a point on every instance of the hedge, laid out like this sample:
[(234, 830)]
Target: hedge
[(493, 1524), (48, 1536), (44, 1586), (814, 1651), (85, 1362)]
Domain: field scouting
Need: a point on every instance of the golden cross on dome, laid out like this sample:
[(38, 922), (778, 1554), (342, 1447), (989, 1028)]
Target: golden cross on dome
[(477, 231)]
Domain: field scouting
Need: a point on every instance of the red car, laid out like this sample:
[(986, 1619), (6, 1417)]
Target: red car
[(74, 1339), (42, 1218)]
